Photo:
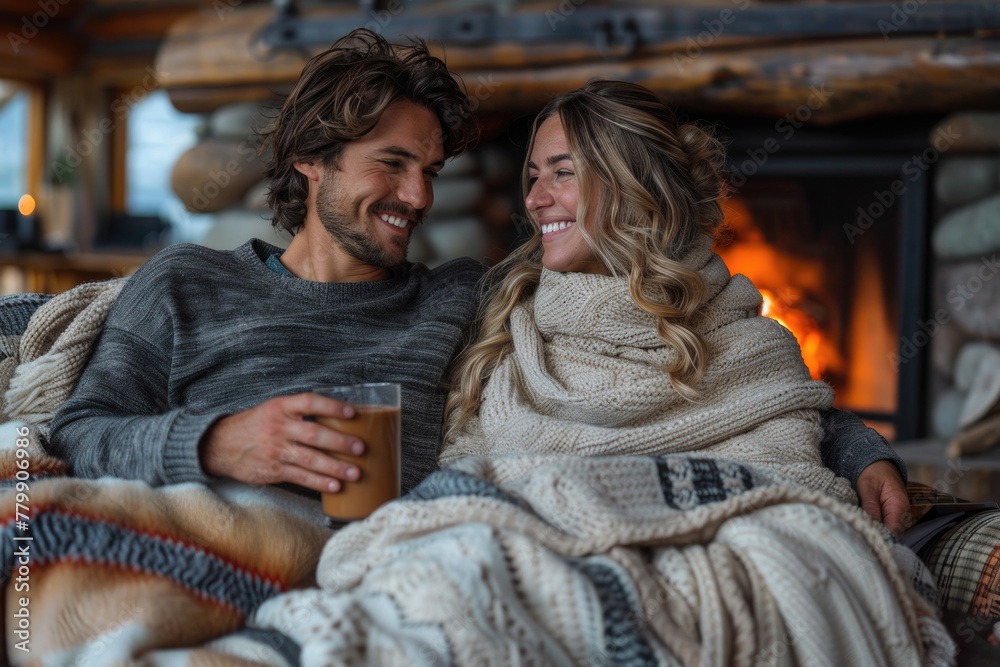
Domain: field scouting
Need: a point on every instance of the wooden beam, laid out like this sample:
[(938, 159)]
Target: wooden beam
[(147, 24), (215, 48), (128, 5), (45, 40), (207, 62), (37, 135), (204, 100), (37, 54), (118, 168), (208, 48), (113, 71), (823, 83), (567, 32), (62, 10)]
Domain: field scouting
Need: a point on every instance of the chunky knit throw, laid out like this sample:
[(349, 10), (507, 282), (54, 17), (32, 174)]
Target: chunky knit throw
[(534, 559), (118, 568), (623, 560), (585, 377), (53, 351)]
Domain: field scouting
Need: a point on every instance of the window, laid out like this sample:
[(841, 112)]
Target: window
[(14, 105), (157, 135)]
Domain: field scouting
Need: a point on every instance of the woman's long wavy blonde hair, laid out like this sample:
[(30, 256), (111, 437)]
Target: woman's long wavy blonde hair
[(648, 187)]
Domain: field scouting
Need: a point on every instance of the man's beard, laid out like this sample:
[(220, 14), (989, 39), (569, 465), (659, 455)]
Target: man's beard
[(356, 237)]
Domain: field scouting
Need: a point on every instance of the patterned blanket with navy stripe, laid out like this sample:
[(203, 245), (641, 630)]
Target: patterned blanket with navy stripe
[(615, 560), (101, 569)]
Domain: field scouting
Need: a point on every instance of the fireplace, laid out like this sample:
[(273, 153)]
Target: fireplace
[(831, 227)]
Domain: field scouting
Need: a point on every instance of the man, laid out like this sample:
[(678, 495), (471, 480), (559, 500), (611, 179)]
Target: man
[(204, 366), (205, 363)]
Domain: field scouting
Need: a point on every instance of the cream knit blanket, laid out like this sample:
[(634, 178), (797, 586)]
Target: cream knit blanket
[(38, 378), (585, 378), (624, 560)]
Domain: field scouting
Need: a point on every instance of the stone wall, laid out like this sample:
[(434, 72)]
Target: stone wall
[(964, 323)]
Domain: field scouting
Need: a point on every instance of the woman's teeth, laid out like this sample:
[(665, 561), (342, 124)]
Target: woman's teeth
[(393, 220), (555, 226)]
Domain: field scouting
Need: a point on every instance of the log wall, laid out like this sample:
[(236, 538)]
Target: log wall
[(207, 61)]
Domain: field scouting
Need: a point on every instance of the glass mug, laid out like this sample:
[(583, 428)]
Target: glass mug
[(377, 423)]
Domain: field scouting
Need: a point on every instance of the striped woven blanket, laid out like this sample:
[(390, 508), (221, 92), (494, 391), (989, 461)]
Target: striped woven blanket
[(114, 569)]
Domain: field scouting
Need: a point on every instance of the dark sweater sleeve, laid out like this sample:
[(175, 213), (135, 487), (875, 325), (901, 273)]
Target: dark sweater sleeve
[(118, 421), (849, 446)]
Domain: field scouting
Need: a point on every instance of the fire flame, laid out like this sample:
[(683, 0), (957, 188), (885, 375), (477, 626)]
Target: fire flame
[(815, 347), (790, 284), (843, 346)]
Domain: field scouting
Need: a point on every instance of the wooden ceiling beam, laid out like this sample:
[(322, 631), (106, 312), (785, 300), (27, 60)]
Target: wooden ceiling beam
[(104, 6), (54, 10), (145, 24), (207, 99), (824, 83), (205, 49), (38, 53), (46, 38), (205, 61)]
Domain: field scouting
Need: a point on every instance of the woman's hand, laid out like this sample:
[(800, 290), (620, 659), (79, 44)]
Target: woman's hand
[(883, 496)]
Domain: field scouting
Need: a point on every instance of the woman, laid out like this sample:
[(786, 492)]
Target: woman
[(616, 187)]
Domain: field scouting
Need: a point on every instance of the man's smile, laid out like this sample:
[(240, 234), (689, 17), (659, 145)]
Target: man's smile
[(396, 220)]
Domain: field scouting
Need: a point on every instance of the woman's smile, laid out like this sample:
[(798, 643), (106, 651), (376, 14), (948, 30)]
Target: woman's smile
[(553, 228)]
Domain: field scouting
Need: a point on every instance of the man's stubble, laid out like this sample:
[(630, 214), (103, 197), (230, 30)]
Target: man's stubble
[(356, 236)]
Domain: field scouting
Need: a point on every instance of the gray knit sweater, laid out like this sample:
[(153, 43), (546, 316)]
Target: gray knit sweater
[(198, 334)]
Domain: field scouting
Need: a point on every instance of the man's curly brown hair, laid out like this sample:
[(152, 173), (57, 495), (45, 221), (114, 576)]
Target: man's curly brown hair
[(341, 95)]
